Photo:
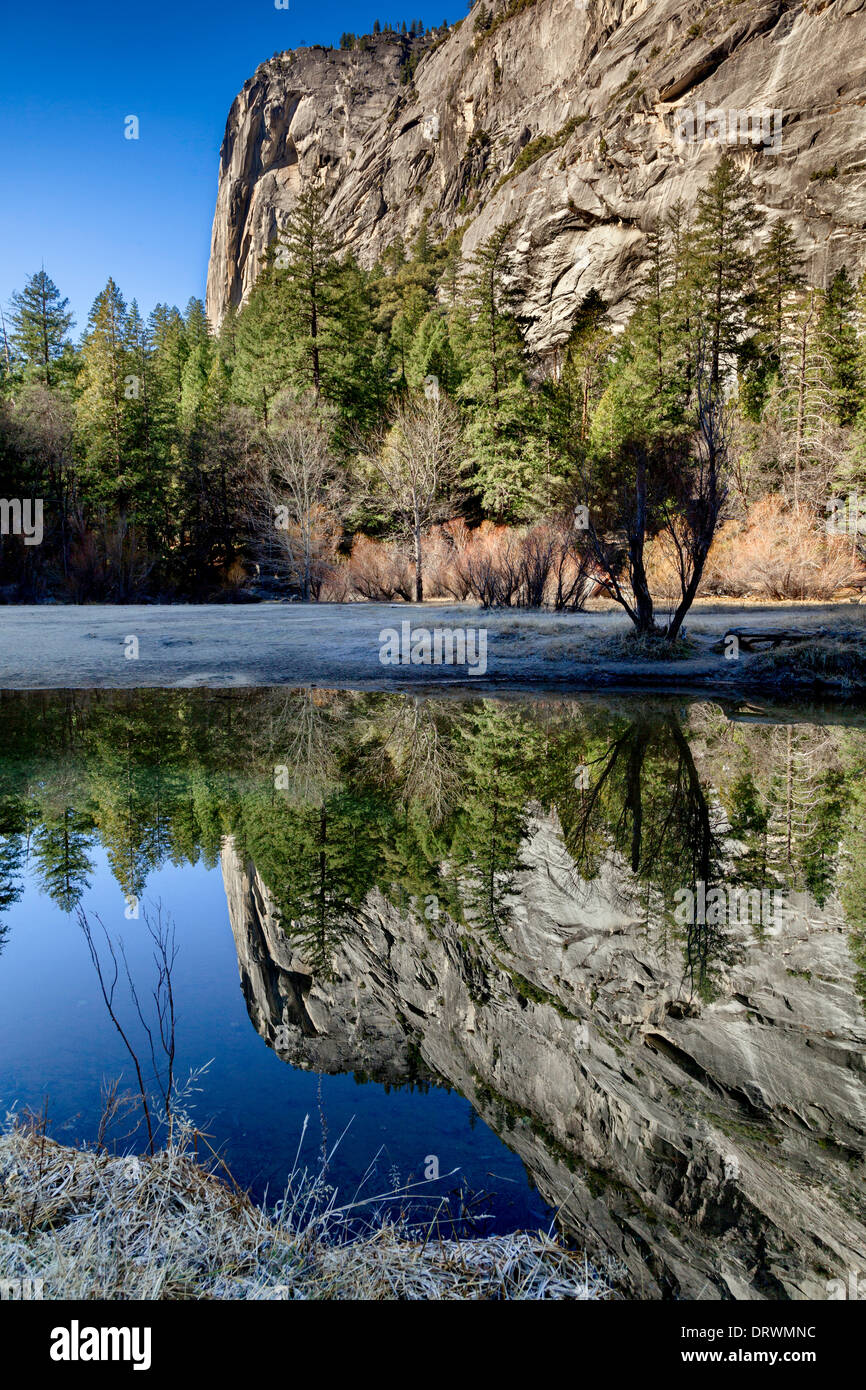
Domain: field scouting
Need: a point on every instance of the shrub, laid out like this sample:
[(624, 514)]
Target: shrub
[(378, 570), (534, 568), (498, 566), (779, 553)]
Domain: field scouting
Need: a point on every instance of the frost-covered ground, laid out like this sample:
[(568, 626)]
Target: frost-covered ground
[(54, 647)]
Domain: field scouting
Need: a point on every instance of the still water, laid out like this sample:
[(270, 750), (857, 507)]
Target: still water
[(597, 962)]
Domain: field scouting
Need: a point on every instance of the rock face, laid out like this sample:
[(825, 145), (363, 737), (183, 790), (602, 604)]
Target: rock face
[(715, 1150), (633, 97)]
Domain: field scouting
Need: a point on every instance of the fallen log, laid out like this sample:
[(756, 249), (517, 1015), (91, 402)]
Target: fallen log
[(757, 639)]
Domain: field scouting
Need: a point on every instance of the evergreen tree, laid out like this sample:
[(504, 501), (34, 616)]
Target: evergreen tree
[(722, 263), (306, 261), (508, 461), (39, 323), (778, 273), (260, 370), (101, 410), (61, 852), (779, 270), (838, 338)]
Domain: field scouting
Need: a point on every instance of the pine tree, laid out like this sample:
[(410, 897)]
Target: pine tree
[(101, 411), (168, 342), (39, 323), (260, 369), (806, 399), (502, 429), (838, 334), (196, 326), (779, 270), (306, 260), (583, 375), (146, 462), (722, 263), (778, 267), (120, 442), (660, 359)]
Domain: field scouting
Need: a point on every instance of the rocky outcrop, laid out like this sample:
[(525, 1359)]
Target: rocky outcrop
[(604, 88), (712, 1149)]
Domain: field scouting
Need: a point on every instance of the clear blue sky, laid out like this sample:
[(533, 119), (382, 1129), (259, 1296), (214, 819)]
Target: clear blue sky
[(88, 203)]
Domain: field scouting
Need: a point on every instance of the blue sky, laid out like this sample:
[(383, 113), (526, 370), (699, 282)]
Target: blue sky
[(88, 203)]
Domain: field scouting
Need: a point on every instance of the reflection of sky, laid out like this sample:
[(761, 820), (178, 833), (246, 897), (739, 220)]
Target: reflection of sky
[(57, 1043)]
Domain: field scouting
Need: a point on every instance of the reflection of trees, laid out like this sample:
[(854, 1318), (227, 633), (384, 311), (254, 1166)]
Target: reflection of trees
[(500, 752), (785, 792), (132, 788), (319, 863), (852, 873), (13, 830), (428, 798), (645, 804), (707, 945), (410, 744), (11, 886), (299, 733), (804, 788), (60, 850)]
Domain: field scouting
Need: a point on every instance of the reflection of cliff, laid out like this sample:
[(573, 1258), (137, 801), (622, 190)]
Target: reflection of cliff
[(717, 1149)]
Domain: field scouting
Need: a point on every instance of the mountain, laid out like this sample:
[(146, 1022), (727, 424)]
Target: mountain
[(579, 121)]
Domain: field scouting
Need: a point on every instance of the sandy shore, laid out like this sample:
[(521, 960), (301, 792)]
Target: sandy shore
[(55, 647)]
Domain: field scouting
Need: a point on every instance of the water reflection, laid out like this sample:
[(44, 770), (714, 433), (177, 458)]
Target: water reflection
[(633, 936)]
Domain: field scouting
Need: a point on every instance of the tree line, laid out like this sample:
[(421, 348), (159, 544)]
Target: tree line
[(339, 400)]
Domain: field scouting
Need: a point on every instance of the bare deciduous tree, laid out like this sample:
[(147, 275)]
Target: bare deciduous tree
[(161, 1031), (415, 467), (295, 493)]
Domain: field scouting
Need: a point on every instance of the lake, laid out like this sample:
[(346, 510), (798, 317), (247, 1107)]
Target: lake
[(593, 962)]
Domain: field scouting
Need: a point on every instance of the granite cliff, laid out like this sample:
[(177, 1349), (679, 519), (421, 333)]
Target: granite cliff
[(579, 121), (714, 1149)]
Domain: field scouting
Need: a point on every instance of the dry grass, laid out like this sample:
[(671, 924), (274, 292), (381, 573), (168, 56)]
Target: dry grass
[(596, 648), (97, 1226), (838, 662)]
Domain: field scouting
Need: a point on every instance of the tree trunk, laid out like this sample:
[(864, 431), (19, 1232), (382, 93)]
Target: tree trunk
[(419, 582), (639, 584)]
